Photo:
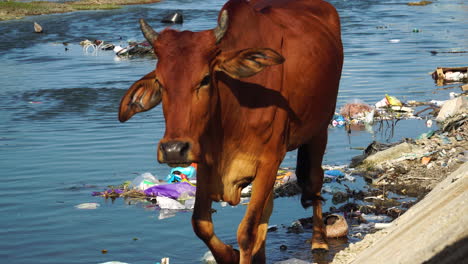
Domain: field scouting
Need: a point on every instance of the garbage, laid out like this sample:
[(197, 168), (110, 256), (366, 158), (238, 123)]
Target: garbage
[(168, 203), (37, 28), (178, 174), (334, 173), (208, 258), (444, 75), (338, 121), (175, 17), (173, 191), (453, 107), (356, 110), (394, 41), (144, 181), (393, 101), (87, 206)]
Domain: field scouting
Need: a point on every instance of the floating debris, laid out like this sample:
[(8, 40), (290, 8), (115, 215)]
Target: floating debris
[(87, 206), (420, 3)]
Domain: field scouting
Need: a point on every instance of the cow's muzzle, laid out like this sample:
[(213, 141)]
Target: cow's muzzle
[(174, 153)]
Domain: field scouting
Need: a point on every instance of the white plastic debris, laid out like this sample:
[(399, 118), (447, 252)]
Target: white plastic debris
[(208, 258), (168, 203), (190, 203), (144, 181), (455, 76), (113, 262), (166, 213), (87, 206)]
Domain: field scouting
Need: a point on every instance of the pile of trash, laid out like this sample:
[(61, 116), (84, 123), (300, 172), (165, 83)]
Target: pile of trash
[(175, 193), (414, 167), (132, 49), (360, 113)]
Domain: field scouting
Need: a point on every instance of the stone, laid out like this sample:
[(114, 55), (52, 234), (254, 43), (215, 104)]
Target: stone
[(453, 107)]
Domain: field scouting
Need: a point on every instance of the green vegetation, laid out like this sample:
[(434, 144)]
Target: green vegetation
[(15, 10)]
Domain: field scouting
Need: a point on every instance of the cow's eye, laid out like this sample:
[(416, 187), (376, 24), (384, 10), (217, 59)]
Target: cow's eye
[(206, 81)]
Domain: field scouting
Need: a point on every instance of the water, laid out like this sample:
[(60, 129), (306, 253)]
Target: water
[(60, 139)]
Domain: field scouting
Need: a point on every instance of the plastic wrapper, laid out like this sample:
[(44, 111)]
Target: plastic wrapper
[(173, 191)]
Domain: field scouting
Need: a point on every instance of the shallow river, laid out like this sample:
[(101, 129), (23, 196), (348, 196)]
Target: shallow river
[(60, 139)]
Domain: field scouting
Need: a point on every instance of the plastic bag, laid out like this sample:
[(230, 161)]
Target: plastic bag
[(168, 203), (176, 174), (144, 181), (173, 191)]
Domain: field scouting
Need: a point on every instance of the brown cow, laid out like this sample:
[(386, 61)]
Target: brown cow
[(236, 99)]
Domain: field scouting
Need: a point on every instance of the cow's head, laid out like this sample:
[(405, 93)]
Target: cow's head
[(184, 81)]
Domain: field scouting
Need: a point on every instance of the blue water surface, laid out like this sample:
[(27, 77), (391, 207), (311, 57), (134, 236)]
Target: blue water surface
[(60, 139)]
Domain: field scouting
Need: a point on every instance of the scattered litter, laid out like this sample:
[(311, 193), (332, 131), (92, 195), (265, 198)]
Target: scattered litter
[(355, 110), (168, 203), (87, 206), (394, 41), (179, 174), (144, 181), (174, 190), (334, 173), (443, 75)]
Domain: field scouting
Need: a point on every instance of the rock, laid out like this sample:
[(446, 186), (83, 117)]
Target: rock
[(292, 261), (465, 87), (336, 226), (37, 28), (175, 17), (453, 107), (391, 153)]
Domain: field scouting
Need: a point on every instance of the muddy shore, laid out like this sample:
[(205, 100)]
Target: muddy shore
[(16, 10)]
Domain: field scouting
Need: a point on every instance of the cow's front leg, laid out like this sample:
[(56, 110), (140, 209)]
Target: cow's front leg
[(259, 247), (252, 230), (203, 227)]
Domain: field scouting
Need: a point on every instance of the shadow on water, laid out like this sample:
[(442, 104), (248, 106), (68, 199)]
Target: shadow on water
[(52, 103)]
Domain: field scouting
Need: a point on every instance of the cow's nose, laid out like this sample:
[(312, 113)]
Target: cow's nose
[(175, 151)]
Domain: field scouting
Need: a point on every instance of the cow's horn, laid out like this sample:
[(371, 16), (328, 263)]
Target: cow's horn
[(222, 26), (148, 32)]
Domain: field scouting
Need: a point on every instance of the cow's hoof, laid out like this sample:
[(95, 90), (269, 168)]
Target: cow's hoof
[(319, 246)]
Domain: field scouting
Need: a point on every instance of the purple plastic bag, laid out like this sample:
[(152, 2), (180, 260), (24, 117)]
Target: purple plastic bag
[(173, 190)]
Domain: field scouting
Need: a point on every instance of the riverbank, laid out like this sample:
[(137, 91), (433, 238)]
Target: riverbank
[(433, 168), (16, 10), (433, 231)]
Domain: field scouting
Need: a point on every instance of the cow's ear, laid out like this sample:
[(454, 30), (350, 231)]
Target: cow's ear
[(143, 95), (248, 62)]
